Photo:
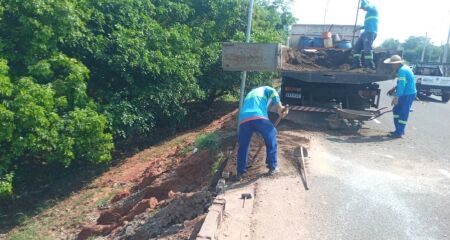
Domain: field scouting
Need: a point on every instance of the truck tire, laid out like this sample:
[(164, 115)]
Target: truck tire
[(445, 97)]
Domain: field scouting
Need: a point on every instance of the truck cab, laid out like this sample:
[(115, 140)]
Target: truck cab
[(430, 80)]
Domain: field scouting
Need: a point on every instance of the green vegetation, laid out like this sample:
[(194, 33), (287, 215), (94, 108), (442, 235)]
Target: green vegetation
[(185, 150), (210, 141), (413, 47), (78, 75), (219, 160), (213, 142)]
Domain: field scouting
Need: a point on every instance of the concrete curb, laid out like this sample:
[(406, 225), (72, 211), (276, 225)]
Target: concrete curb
[(213, 220)]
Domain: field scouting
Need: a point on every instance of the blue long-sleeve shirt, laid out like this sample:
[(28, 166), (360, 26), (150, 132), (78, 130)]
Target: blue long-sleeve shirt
[(406, 84), (371, 19)]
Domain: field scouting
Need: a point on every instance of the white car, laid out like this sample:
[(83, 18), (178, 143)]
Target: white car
[(430, 80)]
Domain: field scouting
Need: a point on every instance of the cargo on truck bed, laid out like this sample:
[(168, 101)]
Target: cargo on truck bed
[(332, 65)]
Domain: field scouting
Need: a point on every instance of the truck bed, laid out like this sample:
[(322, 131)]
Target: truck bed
[(332, 66), (347, 77)]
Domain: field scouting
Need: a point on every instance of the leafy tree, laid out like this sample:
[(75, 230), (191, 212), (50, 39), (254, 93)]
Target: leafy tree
[(271, 22), (32, 30), (391, 44), (413, 48), (91, 144), (6, 130), (38, 128), (79, 69)]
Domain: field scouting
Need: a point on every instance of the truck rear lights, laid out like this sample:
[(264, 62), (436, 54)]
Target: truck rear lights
[(293, 89)]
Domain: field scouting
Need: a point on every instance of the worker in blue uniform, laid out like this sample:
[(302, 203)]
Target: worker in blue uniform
[(403, 93), (363, 46), (253, 117)]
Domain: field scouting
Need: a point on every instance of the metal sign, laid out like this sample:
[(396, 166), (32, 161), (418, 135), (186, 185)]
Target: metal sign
[(251, 57)]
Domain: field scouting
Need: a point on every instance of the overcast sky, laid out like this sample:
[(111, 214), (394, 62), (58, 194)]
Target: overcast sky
[(399, 19)]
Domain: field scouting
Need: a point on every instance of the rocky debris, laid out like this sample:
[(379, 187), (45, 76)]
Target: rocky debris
[(190, 229), (95, 230), (147, 225), (164, 184), (172, 230), (141, 207), (121, 195), (166, 191)]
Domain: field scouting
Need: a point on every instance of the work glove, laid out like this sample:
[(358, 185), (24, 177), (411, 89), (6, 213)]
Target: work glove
[(285, 111)]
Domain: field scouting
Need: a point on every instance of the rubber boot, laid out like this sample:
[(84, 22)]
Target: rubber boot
[(356, 61), (368, 60)]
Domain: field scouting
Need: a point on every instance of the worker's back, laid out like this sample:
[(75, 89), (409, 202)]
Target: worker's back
[(256, 103)]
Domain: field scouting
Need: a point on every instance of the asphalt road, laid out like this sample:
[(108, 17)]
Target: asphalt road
[(363, 185), (378, 188)]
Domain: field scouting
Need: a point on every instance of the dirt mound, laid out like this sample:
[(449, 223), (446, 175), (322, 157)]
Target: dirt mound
[(317, 60), (169, 188), (174, 175)]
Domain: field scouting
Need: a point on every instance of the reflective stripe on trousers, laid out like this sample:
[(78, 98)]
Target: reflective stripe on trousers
[(401, 112)]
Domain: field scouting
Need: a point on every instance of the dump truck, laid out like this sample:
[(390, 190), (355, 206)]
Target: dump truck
[(316, 77), (334, 84)]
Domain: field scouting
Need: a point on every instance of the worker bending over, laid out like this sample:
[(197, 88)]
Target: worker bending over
[(254, 117), (404, 94)]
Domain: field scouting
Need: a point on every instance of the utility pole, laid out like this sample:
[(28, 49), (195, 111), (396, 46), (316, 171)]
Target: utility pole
[(244, 74), (444, 57), (424, 47)]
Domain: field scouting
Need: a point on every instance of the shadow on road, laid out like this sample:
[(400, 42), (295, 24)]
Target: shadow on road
[(359, 139), (235, 184), (425, 98)]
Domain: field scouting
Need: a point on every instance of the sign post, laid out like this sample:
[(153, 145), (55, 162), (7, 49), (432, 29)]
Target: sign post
[(244, 74)]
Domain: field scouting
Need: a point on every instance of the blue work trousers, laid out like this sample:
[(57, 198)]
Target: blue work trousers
[(401, 112), (268, 132), (365, 42)]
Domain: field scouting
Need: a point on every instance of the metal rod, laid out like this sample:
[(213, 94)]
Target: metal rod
[(303, 167), (356, 22), (275, 125), (244, 74), (325, 15)]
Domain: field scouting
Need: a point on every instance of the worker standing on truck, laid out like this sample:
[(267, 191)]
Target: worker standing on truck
[(404, 94), (363, 46), (254, 117)]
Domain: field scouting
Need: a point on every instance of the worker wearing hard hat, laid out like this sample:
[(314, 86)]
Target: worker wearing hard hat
[(404, 94), (363, 46), (253, 117)]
